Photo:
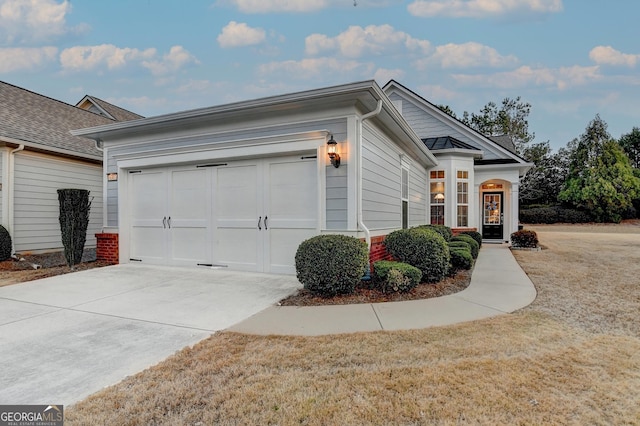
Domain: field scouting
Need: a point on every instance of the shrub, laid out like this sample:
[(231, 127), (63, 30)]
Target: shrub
[(420, 247), (445, 231), (554, 214), (331, 264), (475, 235), (461, 258), (460, 244), (395, 276), (6, 247), (473, 245), (524, 238)]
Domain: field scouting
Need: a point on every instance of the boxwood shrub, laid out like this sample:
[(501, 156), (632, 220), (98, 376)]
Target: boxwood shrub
[(5, 244), (461, 258), (475, 235), (524, 238), (473, 245), (554, 214), (392, 276), (420, 247), (331, 264), (443, 230)]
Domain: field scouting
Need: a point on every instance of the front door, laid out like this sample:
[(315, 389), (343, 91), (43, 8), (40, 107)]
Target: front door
[(492, 217)]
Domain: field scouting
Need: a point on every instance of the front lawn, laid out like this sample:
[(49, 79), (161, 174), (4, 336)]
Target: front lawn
[(572, 357)]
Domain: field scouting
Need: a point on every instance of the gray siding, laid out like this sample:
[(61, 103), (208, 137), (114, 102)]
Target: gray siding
[(417, 195), (381, 203), (36, 209), (427, 126), (336, 185)]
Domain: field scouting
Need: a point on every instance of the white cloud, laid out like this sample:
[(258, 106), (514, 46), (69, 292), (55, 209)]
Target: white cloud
[(240, 34), (607, 55), (33, 21), (194, 86), (267, 6), (313, 68), (467, 55), (383, 75), (86, 58), (525, 76), (25, 59), (438, 94), (171, 62), (371, 40), (482, 8)]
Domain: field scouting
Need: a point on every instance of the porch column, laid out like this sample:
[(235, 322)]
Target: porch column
[(515, 206), (477, 214)]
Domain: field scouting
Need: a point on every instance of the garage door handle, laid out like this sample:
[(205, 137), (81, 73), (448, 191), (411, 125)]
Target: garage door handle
[(164, 222), (169, 222), (265, 223), (259, 220)]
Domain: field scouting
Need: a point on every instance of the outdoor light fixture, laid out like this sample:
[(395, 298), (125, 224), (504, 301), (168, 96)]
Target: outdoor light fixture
[(332, 146), (112, 177), (439, 197)]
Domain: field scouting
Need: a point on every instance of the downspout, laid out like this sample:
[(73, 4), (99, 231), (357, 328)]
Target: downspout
[(361, 225), (10, 199)]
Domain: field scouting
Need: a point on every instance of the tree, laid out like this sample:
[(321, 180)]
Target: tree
[(630, 143), (447, 110), (545, 180), (586, 149), (606, 187), (510, 119), (74, 220)]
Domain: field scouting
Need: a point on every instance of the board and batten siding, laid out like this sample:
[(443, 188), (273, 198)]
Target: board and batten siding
[(336, 181), (36, 208), (427, 126)]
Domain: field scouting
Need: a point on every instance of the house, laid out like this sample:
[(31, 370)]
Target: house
[(241, 185), (38, 156)]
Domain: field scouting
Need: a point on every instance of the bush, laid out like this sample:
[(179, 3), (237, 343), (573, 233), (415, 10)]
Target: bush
[(554, 214), (475, 235), (6, 247), (75, 206), (420, 247), (524, 238), (445, 231), (460, 244), (331, 264), (461, 258), (473, 245), (395, 276)]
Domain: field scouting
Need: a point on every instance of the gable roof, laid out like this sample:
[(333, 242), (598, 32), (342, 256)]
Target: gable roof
[(485, 142), (114, 112), (44, 124), (504, 141)]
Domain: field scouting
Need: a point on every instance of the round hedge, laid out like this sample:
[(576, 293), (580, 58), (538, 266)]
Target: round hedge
[(390, 276), (443, 230), (473, 245), (5, 244), (461, 258), (423, 248), (475, 235), (331, 264)]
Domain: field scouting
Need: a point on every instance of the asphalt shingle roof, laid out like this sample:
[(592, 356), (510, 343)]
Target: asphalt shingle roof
[(120, 114), (32, 118), (446, 142)]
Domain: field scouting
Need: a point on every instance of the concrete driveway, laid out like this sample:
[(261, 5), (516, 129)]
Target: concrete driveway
[(66, 337)]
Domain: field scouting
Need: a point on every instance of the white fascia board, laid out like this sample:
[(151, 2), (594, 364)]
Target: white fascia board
[(52, 149), (522, 168), (459, 151)]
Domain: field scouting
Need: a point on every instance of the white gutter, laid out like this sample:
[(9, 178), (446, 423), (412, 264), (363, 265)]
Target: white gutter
[(10, 199), (367, 232)]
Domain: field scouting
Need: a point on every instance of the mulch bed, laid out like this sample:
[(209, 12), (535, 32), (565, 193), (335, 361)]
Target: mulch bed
[(447, 286)]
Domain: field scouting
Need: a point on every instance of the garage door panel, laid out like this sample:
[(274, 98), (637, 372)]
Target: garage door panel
[(243, 254), (283, 245), (147, 244), (292, 191), (236, 192), (188, 246)]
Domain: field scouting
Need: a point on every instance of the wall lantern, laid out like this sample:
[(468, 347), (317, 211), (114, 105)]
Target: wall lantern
[(112, 177), (332, 146), (439, 197)]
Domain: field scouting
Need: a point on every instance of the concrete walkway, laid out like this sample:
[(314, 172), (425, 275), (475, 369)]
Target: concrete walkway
[(498, 286)]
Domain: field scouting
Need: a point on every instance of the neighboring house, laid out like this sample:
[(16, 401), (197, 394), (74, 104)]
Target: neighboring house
[(241, 185), (38, 156)]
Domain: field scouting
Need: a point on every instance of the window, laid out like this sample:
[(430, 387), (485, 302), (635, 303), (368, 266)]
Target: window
[(462, 198), (405, 198), (437, 197)]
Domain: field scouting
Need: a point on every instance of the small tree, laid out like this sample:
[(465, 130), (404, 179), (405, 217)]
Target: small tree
[(74, 220)]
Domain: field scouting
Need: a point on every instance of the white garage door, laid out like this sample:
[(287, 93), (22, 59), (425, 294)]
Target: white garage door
[(246, 215)]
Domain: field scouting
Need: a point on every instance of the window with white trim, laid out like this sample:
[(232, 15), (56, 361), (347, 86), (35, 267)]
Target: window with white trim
[(462, 184), (436, 191), (405, 197)]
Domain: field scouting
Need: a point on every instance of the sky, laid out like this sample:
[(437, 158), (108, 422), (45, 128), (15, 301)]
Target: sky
[(570, 59)]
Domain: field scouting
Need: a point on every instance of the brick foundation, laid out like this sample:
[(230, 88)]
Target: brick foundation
[(457, 231), (107, 248)]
